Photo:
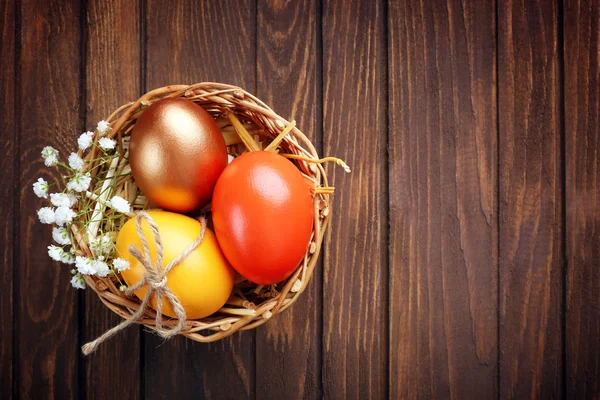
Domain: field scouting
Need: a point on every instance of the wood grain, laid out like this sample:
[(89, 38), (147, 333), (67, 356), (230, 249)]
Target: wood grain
[(582, 141), (113, 64), (443, 218), (191, 42), (288, 348), (47, 355), (355, 286), (531, 259), (460, 296), (8, 207)]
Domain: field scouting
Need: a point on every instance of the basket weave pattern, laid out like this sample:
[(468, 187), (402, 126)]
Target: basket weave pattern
[(250, 305)]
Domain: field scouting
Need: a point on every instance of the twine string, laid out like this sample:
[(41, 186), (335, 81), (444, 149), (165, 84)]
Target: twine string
[(156, 279)]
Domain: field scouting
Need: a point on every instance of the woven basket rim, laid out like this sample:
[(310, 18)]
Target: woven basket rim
[(218, 98)]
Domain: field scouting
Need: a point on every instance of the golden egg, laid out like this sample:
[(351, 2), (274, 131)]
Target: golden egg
[(177, 153)]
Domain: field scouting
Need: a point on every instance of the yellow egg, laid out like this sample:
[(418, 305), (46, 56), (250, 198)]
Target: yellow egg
[(202, 282)]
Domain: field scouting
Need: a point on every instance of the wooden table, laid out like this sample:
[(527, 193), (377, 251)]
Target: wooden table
[(463, 259)]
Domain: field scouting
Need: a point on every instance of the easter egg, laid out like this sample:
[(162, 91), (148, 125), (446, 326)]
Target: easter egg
[(263, 215), (177, 153), (202, 282)]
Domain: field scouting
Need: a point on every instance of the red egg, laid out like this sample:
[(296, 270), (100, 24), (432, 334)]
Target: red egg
[(263, 216), (177, 153)]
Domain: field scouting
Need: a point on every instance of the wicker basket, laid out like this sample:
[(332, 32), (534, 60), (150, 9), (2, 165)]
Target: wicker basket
[(250, 305)]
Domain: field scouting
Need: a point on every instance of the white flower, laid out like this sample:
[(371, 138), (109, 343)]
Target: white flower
[(102, 127), (120, 204), (63, 199), (78, 282), (59, 254), (101, 268), (67, 258), (85, 265), (85, 140), (40, 188), (120, 264), (50, 156), (75, 162), (55, 252), (107, 243), (79, 182), (107, 144), (64, 215), (95, 246), (46, 215), (61, 236), (102, 245)]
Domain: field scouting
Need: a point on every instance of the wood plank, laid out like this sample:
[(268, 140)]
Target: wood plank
[(205, 41), (8, 208), (582, 140), (355, 284), (531, 225), (288, 348), (443, 182), (113, 63), (50, 111)]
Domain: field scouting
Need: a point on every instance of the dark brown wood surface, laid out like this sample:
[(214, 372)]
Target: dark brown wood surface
[(105, 25), (531, 266), (46, 354), (463, 256), (355, 329), (288, 354), (582, 155), (443, 215), (8, 192)]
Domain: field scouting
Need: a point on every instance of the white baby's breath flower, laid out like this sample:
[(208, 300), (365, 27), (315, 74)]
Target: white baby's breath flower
[(95, 246), (67, 258), (64, 215), (40, 188), (120, 204), (85, 140), (78, 282), (101, 268), (75, 162), (55, 252), (106, 143), (58, 254), (63, 199), (102, 127), (46, 215), (85, 265), (120, 264), (102, 246), (61, 236), (79, 183), (107, 244), (50, 156)]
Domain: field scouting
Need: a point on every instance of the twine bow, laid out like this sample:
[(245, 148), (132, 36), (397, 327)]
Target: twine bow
[(156, 279)]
